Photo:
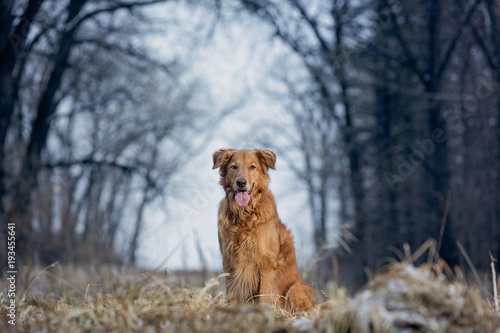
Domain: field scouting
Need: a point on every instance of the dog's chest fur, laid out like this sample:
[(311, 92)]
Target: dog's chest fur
[(247, 246)]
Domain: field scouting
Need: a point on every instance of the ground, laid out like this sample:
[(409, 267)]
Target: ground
[(402, 298)]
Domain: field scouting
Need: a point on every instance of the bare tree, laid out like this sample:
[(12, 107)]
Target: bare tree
[(90, 125), (318, 37), (388, 80), (485, 29)]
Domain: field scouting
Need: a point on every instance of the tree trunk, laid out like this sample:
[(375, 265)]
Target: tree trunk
[(40, 129), (11, 43), (495, 37), (495, 229), (132, 254), (439, 167), (138, 222)]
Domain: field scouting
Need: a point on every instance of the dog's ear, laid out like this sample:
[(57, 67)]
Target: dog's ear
[(222, 156), (267, 157)]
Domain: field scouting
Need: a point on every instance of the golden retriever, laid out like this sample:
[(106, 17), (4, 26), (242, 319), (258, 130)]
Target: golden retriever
[(257, 248)]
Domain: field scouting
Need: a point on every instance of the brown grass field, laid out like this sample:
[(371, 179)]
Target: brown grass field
[(402, 298)]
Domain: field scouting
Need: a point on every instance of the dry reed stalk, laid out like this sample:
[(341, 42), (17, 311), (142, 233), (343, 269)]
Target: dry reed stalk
[(471, 265), (85, 303), (494, 278)]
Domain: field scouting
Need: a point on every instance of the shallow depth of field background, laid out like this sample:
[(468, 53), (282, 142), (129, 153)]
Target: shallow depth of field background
[(385, 116)]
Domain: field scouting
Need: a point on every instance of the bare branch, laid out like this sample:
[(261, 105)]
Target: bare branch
[(411, 58), (129, 51), (464, 20), (89, 161), (313, 25), (120, 5)]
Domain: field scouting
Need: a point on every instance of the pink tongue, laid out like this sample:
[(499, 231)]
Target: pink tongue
[(242, 199)]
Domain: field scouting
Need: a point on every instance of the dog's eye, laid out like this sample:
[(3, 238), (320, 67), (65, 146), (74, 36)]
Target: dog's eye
[(234, 167), (253, 167)]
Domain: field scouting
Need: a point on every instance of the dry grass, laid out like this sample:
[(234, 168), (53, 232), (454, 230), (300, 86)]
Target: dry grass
[(403, 298)]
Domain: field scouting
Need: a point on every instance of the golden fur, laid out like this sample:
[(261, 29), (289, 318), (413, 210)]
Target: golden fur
[(257, 248)]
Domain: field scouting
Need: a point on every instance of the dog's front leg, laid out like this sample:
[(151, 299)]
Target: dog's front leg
[(269, 292)]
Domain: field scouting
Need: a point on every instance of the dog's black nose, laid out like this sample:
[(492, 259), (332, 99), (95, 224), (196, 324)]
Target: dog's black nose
[(242, 182)]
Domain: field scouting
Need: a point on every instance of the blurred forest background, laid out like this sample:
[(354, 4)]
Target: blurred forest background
[(394, 131)]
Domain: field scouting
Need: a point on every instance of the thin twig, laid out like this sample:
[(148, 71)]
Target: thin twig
[(45, 270), (469, 262), (85, 304), (494, 280), (443, 221)]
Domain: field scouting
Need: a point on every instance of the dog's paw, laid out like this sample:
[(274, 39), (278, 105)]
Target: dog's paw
[(300, 297)]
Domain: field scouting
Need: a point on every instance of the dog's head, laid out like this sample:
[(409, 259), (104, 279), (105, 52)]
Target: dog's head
[(244, 172)]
